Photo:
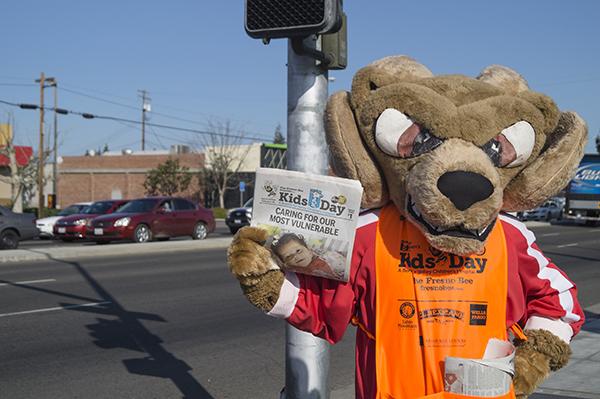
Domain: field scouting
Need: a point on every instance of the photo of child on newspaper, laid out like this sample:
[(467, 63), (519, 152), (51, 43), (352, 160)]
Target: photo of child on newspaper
[(295, 255)]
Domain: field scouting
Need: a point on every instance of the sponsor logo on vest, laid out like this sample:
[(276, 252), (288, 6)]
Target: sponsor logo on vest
[(441, 312), (407, 310), (407, 245), (478, 314), (419, 261)]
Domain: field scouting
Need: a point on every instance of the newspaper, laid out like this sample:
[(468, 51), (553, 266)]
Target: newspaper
[(486, 377), (311, 220)]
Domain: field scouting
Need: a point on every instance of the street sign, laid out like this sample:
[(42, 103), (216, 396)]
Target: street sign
[(242, 186)]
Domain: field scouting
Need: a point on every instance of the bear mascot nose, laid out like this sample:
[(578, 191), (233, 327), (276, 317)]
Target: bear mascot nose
[(464, 188)]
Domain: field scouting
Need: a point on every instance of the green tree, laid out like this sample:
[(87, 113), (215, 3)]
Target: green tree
[(167, 178), (278, 137)]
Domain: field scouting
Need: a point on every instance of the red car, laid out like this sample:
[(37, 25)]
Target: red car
[(74, 226), (144, 219)]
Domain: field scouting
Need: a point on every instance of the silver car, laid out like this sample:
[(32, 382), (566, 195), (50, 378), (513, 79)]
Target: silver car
[(15, 227), (550, 210)]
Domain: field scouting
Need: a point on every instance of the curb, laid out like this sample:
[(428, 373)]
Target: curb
[(111, 250)]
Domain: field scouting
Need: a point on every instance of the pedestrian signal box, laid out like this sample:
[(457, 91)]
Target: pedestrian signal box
[(271, 19)]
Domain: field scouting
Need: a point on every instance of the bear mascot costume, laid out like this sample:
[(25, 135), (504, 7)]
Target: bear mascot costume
[(438, 268)]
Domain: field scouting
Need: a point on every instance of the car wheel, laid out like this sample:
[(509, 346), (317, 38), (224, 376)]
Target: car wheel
[(9, 239), (142, 233), (548, 217), (200, 231)]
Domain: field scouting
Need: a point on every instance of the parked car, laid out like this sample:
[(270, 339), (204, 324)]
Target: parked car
[(144, 219), (550, 210), (15, 227), (73, 227), (46, 225), (239, 217)]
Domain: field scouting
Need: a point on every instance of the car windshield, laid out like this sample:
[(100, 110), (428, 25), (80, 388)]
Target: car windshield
[(98, 208), (70, 210), (248, 203), (138, 206)]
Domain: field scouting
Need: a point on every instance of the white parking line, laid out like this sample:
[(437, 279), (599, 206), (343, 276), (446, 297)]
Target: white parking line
[(568, 245), (550, 234), (48, 280), (53, 309)]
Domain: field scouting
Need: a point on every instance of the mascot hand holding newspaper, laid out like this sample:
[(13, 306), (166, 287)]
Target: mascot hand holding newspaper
[(438, 270)]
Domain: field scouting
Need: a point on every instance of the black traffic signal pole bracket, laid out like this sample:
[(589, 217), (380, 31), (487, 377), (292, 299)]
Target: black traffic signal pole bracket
[(300, 48)]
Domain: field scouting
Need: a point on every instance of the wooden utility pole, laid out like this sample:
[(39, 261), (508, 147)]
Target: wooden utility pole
[(145, 108), (55, 147), (41, 152)]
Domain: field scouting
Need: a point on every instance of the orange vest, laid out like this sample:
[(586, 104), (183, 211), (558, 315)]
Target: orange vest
[(430, 305)]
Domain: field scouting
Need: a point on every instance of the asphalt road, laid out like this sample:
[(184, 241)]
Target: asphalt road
[(172, 326)]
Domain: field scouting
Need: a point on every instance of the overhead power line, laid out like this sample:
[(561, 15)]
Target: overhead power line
[(87, 115)]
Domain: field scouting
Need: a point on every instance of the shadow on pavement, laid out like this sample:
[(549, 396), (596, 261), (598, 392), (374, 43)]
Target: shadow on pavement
[(127, 331)]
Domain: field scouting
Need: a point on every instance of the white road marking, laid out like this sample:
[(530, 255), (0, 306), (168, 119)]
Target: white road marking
[(568, 245), (48, 280), (53, 309), (550, 234)]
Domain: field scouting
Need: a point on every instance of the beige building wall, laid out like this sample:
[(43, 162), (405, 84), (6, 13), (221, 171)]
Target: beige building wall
[(94, 178), (249, 154)]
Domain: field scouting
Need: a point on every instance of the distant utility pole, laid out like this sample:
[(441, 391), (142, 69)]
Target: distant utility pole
[(41, 152), (145, 108), (55, 146)]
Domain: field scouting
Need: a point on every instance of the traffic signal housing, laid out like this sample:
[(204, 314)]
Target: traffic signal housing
[(272, 19)]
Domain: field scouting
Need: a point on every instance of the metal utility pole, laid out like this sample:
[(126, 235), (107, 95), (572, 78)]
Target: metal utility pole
[(41, 151), (306, 356), (145, 108)]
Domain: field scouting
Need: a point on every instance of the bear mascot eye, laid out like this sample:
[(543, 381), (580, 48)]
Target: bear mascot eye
[(512, 147), (397, 135)]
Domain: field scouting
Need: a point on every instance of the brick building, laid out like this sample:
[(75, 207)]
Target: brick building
[(119, 175)]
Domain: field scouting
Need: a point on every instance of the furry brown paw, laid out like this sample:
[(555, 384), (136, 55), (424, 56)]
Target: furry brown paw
[(248, 259), (535, 358)]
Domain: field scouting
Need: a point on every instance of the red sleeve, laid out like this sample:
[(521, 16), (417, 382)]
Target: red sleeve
[(548, 292), (325, 307)]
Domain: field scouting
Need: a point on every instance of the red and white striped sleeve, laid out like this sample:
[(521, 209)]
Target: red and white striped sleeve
[(321, 306), (550, 296)]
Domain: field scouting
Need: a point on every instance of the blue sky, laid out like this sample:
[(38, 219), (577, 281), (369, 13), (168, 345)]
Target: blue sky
[(198, 65)]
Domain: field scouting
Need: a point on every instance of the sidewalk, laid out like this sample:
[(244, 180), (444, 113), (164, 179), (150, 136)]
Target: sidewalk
[(581, 377), (118, 249)]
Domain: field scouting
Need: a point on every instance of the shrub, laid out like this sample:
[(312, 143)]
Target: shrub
[(219, 213)]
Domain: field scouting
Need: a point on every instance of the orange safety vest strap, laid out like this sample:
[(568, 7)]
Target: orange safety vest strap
[(357, 323), (518, 332)]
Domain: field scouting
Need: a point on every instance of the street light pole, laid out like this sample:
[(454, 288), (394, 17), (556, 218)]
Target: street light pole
[(306, 356)]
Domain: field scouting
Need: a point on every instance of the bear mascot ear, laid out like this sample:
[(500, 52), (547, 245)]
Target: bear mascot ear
[(556, 163), (554, 167), (349, 156)]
